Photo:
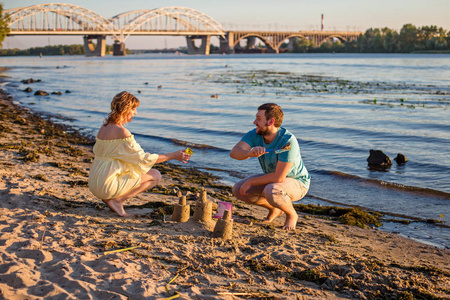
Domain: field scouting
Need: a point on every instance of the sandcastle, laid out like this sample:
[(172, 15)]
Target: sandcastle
[(203, 213), (224, 226), (203, 209), (181, 211)]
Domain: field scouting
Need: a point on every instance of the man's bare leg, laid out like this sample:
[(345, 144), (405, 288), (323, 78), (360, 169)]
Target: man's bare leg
[(291, 216), (273, 211)]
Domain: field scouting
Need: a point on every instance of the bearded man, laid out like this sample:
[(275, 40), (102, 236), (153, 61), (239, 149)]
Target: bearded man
[(285, 178)]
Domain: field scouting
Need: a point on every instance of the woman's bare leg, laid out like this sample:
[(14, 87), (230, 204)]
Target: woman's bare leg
[(149, 180)]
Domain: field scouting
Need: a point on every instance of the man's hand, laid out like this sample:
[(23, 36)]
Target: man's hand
[(258, 151), (242, 151)]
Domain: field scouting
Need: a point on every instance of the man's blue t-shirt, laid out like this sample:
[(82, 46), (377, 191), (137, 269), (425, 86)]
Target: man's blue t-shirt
[(269, 160)]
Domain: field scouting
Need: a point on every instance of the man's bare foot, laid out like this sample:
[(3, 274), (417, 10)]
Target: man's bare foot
[(291, 222), (116, 206), (273, 214)]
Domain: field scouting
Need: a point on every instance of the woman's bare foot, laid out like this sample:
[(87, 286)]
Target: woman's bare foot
[(116, 206), (273, 214), (291, 222)]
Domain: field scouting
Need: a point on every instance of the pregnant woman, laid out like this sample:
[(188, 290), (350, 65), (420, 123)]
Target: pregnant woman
[(121, 169)]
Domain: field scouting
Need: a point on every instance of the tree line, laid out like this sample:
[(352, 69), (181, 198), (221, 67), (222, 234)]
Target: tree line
[(374, 40), (50, 50)]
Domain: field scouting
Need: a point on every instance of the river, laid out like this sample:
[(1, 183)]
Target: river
[(339, 106)]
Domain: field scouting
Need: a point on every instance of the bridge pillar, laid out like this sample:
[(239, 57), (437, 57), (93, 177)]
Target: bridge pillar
[(226, 44), (251, 41), (204, 47), (290, 46), (271, 50), (119, 49), (97, 50)]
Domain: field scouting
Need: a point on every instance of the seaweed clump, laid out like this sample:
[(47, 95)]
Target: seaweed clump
[(311, 275), (349, 216)]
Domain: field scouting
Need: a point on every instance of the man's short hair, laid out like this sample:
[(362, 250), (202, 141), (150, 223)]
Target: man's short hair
[(273, 110)]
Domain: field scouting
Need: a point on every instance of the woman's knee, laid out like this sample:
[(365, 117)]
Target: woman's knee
[(152, 175)]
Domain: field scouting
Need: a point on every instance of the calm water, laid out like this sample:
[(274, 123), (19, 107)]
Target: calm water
[(339, 107)]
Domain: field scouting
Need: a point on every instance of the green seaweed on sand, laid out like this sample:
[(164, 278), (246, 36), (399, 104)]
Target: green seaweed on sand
[(311, 275), (427, 270), (360, 218), (113, 245), (29, 155), (46, 150), (4, 128), (10, 146), (349, 216), (74, 183), (69, 167), (329, 238), (74, 152), (261, 266), (40, 177)]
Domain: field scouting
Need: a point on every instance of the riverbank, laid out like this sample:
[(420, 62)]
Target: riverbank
[(55, 235)]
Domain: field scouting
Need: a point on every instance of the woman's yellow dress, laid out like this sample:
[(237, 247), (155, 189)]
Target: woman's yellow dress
[(118, 166)]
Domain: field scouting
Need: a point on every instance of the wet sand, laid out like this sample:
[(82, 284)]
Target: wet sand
[(54, 235)]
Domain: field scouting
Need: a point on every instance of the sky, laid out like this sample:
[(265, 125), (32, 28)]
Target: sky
[(289, 15)]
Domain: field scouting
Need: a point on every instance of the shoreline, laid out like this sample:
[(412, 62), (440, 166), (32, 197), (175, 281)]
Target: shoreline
[(55, 235)]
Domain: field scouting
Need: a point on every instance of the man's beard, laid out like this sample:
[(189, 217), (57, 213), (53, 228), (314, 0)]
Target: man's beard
[(262, 132)]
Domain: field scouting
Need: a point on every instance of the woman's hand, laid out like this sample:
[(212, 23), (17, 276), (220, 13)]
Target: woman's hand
[(182, 156)]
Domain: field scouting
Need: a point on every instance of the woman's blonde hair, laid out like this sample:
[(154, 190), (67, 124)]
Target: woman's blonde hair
[(121, 105)]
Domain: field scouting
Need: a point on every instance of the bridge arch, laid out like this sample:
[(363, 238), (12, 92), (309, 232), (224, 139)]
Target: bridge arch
[(266, 41), (289, 37), (331, 37), (167, 20), (57, 17)]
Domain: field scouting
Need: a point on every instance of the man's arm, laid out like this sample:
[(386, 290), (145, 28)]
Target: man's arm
[(243, 151), (279, 175)]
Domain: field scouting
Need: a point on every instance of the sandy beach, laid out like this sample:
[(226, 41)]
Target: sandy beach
[(55, 237)]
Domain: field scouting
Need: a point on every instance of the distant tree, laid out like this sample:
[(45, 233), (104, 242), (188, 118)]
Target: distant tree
[(302, 45), (371, 41), (390, 40), (4, 29), (408, 38), (350, 46), (432, 38)]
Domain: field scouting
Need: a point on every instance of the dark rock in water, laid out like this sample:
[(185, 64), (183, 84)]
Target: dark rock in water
[(28, 81), (378, 158), (56, 93), (68, 92), (401, 159), (41, 93), (28, 90)]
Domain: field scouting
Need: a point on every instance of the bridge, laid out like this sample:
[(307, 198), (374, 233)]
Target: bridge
[(69, 19)]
